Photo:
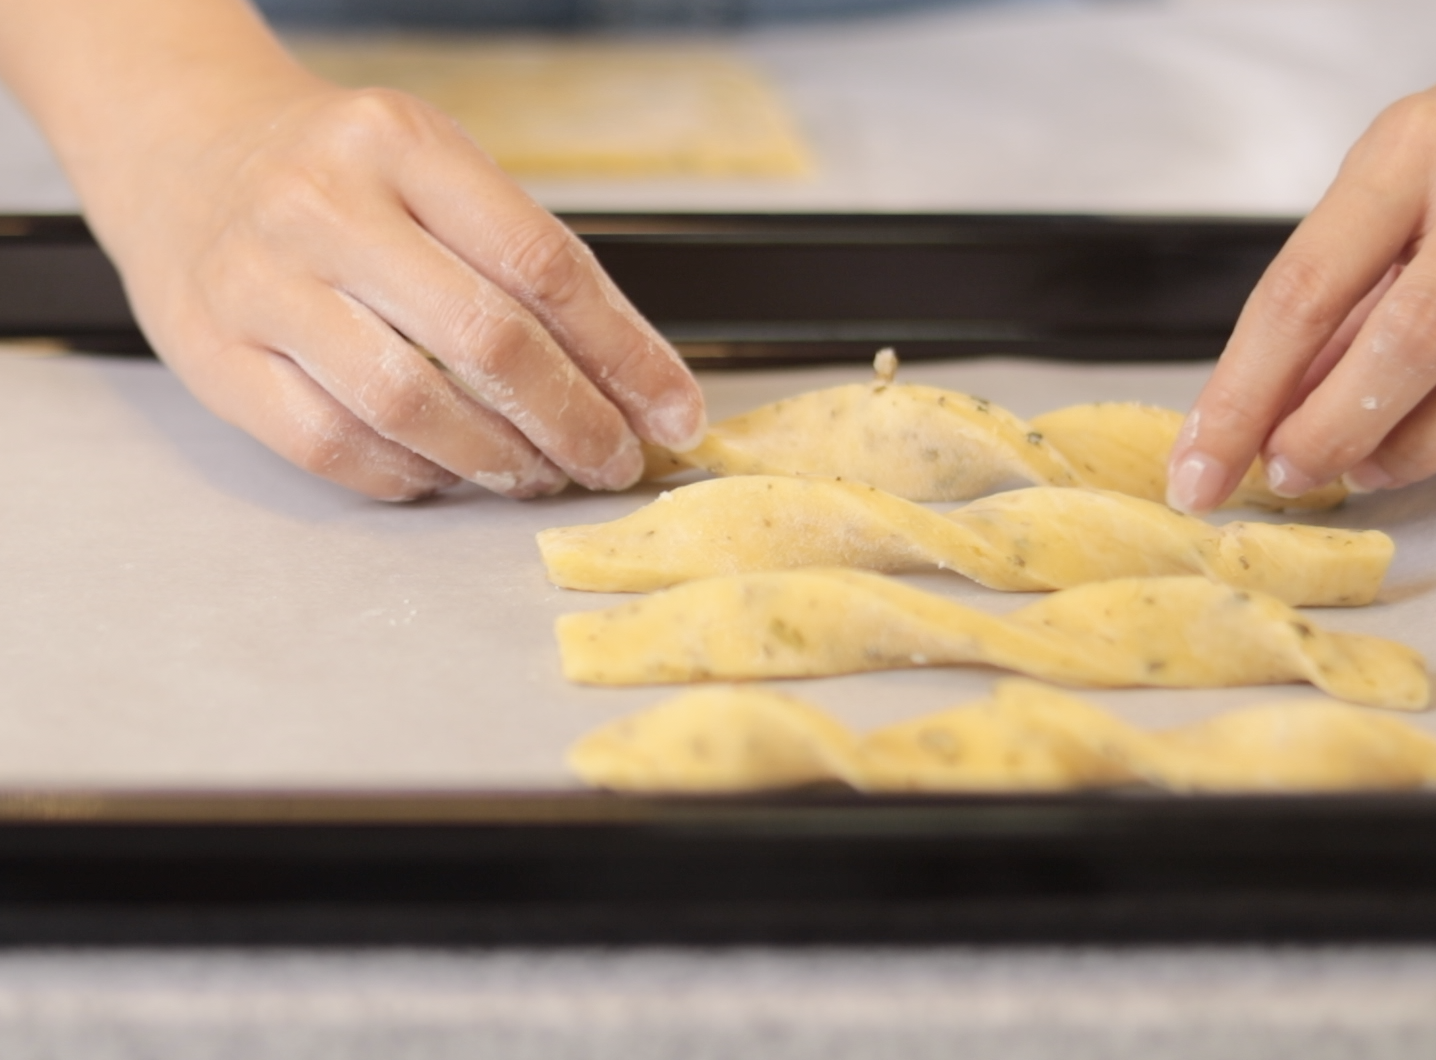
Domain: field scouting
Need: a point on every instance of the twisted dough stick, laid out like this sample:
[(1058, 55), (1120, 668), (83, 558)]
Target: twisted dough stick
[(926, 444), (1025, 737), (1032, 539), (716, 739), (1164, 632)]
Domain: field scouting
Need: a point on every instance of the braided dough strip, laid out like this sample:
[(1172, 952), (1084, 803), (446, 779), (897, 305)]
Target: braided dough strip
[(927, 444), (1025, 737), (1033, 539), (1163, 632)]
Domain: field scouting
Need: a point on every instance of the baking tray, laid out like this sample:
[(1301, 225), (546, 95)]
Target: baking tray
[(801, 869), (763, 289), (817, 866)]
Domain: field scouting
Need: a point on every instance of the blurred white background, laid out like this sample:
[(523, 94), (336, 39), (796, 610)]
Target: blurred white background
[(1144, 106)]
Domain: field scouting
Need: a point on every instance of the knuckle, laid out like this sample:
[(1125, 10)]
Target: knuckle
[(1325, 445), (380, 120), (1337, 453), (634, 361), (321, 445), (1408, 453), (396, 402), (496, 343), (549, 261), (469, 325), (1299, 295), (1410, 311), (1228, 410), (1408, 464)]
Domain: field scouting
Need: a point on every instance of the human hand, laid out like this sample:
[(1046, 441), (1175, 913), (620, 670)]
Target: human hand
[(293, 250), (1331, 369)]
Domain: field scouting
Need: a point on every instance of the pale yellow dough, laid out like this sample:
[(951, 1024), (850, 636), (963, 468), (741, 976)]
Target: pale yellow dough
[(926, 444), (1031, 539), (1185, 632), (917, 442), (990, 745), (716, 739), (1123, 446), (1314, 745), (1025, 737)]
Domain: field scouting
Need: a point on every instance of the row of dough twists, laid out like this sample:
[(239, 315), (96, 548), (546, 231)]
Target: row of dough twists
[(1030, 539), (1181, 632), (1025, 737), (924, 443)]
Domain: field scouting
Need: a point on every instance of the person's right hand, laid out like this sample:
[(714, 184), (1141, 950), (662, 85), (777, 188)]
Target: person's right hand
[(294, 250)]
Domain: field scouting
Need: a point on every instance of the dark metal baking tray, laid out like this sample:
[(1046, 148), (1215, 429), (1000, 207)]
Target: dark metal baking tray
[(765, 289), (797, 869), (807, 867)]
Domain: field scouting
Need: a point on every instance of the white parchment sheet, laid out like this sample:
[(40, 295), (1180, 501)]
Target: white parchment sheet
[(179, 607)]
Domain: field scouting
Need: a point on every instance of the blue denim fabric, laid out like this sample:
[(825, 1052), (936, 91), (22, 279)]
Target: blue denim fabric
[(570, 14)]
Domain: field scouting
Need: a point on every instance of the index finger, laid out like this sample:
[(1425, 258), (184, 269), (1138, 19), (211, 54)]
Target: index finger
[(465, 201), (1331, 262)]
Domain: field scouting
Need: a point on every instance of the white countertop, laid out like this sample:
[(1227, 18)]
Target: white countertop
[(1036, 1003)]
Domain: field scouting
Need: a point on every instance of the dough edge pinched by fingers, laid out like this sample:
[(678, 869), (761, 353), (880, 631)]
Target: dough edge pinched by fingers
[(924, 443)]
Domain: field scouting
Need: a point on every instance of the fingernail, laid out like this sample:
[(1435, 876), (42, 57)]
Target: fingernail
[(677, 422), (1367, 477), (1195, 483), (623, 468), (548, 481), (422, 489), (1285, 480)]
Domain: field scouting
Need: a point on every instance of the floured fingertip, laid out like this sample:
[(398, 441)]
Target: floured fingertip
[(1195, 483), (677, 422), (1368, 477), (622, 469)]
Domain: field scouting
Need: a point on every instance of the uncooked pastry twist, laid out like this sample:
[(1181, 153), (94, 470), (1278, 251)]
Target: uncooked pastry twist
[(1025, 737), (1032, 539), (923, 443), (1164, 632)]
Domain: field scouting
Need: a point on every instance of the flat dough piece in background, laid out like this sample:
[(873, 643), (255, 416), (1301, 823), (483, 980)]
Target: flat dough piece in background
[(564, 108)]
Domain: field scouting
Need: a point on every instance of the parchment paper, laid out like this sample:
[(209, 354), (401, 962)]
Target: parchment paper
[(181, 608)]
